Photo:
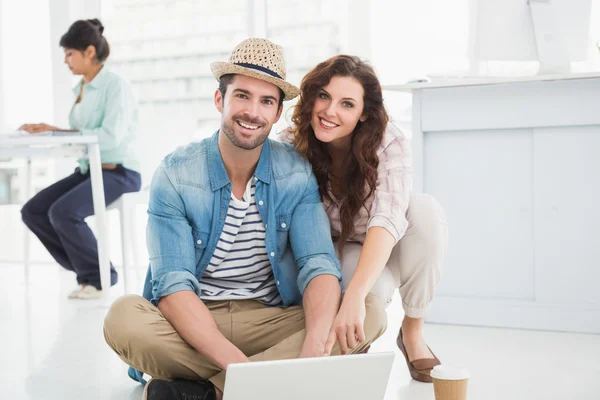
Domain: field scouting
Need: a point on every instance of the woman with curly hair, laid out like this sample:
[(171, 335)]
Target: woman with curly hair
[(386, 238)]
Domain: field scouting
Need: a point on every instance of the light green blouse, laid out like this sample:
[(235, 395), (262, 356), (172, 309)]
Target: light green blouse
[(108, 110)]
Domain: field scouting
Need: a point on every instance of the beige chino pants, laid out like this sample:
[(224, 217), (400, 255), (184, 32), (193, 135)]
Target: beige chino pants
[(142, 337), (415, 263)]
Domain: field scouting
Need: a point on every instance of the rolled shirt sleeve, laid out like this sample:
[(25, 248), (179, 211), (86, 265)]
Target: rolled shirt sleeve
[(394, 185), (310, 237), (170, 241)]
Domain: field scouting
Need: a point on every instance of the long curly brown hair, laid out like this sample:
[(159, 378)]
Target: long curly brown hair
[(359, 180)]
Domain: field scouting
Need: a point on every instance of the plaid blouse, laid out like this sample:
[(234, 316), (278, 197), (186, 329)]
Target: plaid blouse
[(388, 205)]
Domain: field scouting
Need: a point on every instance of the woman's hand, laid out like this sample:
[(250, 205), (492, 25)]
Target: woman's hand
[(348, 325), (37, 128)]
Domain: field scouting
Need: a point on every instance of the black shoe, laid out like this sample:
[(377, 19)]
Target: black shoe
[(179, 389)]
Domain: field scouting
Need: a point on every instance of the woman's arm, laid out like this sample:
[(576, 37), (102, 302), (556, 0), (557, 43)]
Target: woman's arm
[(348, 325), (388, 221), (119, 112), (38, 128), (373, 258), (386, 226)]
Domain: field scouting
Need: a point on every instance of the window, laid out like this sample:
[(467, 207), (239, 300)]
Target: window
[(26, 70), (309, 32), (165, 48), (25, 85)]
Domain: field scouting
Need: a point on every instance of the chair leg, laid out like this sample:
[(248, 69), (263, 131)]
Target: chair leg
[(26, 246), (124, 212), (133, 240), (27, 236)]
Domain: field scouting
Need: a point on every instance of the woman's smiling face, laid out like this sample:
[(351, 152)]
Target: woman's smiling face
[(338, 108)]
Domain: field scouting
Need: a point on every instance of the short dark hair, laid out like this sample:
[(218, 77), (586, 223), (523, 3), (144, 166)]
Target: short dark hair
[(84, 33), (228, 78)]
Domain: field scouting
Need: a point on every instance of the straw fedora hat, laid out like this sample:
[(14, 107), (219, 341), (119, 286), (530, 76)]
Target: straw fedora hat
[(257, 58)]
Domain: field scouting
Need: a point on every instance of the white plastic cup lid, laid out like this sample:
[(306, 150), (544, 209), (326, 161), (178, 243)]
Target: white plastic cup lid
[(449, 372)]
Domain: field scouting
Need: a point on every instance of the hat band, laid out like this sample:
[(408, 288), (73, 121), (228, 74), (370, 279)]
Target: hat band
[(259, 68)]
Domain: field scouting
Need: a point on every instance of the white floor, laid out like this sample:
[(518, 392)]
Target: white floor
[(53, 348)]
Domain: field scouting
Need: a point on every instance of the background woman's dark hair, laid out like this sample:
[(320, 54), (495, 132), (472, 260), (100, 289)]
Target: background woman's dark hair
[(360, 176), (84, 33)]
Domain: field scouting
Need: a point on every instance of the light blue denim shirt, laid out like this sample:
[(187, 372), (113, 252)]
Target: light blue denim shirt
[(108, 110), (189, 198)]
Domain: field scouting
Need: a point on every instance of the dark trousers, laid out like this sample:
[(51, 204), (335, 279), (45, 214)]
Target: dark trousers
[(56, 216)]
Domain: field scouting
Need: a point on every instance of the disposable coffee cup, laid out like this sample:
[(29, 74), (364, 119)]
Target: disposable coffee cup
[(450, 382)]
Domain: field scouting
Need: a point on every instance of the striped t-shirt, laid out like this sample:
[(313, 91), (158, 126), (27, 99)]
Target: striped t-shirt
[(240, 267)]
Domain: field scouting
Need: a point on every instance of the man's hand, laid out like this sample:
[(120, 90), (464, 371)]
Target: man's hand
[(321, 303), (312, 348), (37, 128), (195, 324), (348, 325)]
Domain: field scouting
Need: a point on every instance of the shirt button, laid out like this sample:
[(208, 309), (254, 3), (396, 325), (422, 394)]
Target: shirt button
[(199, 241), (266, 226), (260, 203), (277, 283), (283, 225), (272, 254), (255, 178)]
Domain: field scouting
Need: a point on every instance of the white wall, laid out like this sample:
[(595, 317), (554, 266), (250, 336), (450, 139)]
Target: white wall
[(2, 125), (26, 62)]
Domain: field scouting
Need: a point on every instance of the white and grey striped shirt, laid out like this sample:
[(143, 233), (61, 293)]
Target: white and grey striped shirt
[(240, 268)]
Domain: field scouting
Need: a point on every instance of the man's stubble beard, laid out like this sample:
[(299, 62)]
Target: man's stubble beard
[(229, 131)]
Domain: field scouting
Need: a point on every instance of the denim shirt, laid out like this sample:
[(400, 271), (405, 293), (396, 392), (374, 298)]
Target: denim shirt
[(189, 198)]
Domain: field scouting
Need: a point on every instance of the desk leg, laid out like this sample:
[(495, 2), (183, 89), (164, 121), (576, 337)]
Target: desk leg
[(417, 142), (100, 213), (27, 236)]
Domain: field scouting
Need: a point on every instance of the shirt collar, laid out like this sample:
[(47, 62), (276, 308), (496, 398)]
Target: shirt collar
[(263, 169), (218, 174), (95, 83)]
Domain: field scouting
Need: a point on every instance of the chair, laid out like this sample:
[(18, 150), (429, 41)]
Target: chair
[(126, 205)]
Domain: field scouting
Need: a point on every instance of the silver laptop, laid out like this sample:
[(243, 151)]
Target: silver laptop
[(360, 377)]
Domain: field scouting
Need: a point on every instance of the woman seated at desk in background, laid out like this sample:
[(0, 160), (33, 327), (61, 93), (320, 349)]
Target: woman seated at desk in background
[(106, 107)]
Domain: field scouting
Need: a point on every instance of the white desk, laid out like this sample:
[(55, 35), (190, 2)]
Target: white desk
[(71, 146), (515, 163)]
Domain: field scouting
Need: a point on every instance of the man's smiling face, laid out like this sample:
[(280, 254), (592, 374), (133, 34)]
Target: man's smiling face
[(248, 111)]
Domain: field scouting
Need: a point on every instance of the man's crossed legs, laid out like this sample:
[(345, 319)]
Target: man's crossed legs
[(142, 337)]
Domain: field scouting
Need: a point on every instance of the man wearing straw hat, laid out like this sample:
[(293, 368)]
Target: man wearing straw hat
[(242, 266)]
